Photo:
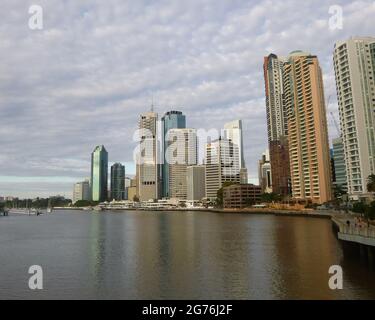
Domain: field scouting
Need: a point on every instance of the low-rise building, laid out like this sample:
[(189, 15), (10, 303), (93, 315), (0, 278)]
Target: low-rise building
[(238, 196)]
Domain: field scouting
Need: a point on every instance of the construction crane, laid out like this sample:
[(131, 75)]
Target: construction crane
[(333, 118), (336, 125)]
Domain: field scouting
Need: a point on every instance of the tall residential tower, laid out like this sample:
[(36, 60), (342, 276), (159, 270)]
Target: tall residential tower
[(277, 123), (307, 128), (354, 62)]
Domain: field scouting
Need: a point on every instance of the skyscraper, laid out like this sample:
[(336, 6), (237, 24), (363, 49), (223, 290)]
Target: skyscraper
[(233, 132), (307, 128), (181, 151), (265, 173), (354, 62), (277, 123), (117, 182), (148, 164), (170, 120), (99, 174), (222, 165)]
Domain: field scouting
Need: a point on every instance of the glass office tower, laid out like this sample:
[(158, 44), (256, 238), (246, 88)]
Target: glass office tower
[(117, 182), (99, 174), (171, 120)]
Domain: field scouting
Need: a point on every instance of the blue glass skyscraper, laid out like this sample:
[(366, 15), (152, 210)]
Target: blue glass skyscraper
[(171, 120), (99, 174)]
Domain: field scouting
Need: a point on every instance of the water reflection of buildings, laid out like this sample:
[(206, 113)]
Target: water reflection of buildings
[(198, 255), (97, 249), (306, 250)]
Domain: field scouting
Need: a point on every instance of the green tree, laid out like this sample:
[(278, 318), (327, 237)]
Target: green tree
[(359, 207), (370, 211), (86, 203), (270, 197), (371, 183), (220, 194), (249, 202)]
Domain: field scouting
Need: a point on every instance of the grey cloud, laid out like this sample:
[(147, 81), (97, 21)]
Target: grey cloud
[(84, 79)]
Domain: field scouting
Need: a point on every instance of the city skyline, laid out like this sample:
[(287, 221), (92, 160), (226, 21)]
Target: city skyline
[(220, 81)]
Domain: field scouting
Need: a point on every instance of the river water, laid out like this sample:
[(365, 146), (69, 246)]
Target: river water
[(175, 255)]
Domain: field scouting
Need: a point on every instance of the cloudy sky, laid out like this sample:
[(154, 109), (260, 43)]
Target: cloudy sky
[(84, 78)]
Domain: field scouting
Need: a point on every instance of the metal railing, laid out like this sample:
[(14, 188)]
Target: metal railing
[(357, 230)]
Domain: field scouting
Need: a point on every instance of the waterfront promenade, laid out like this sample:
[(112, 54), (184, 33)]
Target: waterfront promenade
[(353, 231)]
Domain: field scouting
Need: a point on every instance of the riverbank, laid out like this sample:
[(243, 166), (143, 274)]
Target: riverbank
[(295, 213)]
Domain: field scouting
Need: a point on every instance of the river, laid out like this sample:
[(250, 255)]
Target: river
[(175, 255)]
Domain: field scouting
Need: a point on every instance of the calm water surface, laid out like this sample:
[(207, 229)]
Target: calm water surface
[(175, 255)]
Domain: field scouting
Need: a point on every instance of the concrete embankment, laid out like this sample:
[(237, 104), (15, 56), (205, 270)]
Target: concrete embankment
[(289, 213)]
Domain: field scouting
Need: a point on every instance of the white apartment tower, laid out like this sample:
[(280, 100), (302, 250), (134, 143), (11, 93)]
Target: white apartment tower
[(354, 62)]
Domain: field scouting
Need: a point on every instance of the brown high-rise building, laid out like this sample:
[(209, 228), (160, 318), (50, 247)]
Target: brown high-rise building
[(280, 166), (277, 124), (307, 128)]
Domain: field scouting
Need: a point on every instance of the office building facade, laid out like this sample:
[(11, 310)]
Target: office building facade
[(148, 157), (222, 165), (81, 191), (195, 181), (181, 151), (171, 120), (233, 131), (265, 173), (117, 182)]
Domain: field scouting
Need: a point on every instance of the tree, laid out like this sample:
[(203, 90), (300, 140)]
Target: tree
[(220, 193), (86, 203), (359, 207), (270, 197), (249, 202), (370, 211), (338, 191), (371, 183), (135, 198)]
